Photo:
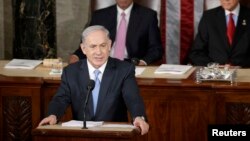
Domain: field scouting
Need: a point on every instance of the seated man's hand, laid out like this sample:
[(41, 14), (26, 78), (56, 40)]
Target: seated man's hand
[(48, 120), (142, 63), (73, 58)]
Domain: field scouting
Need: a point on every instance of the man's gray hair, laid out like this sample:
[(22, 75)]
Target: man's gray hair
[(91, 29)]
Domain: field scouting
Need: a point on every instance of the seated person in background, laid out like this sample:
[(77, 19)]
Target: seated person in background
[(223, 39), (118, 92), (141, 42)]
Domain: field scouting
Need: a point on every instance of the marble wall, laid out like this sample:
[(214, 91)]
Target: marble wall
[(71, 17), (8, 29), (35, 28)]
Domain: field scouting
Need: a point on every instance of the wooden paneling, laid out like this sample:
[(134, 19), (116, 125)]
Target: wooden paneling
[(17, 113), (178, 110), (19, 107), (233, 105), (175, 111), (97, 134)]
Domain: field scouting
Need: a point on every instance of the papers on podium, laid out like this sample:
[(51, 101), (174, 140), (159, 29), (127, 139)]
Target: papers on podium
[(172, 69), (22, 64), (118, 126), (77, 123)]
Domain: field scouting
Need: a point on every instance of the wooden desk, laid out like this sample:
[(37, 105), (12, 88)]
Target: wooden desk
[(59, 133), (177, 109)]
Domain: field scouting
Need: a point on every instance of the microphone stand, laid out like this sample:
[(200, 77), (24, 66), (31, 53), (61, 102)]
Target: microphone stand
[(85, 105)]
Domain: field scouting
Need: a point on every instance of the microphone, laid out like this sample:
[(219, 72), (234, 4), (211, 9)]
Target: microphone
[(90, 87)]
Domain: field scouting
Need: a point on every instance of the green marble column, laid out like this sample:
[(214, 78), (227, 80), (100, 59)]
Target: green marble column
[(35, 29)]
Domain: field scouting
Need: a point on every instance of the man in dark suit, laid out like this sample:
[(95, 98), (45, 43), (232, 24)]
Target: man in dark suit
[(212, 44), (143, 42), (118, 92)]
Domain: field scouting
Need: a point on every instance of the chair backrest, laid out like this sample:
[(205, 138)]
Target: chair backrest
[(153, 4), (245, 2)]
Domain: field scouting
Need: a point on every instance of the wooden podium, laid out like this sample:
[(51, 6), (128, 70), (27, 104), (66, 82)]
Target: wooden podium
[(178, 108), (100, 133)]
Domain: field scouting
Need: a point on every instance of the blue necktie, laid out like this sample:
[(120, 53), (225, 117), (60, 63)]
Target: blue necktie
[(95, 92)]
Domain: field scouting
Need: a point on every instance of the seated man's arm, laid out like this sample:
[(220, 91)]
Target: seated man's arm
[(198, 54), (155, 50), (76, 56)]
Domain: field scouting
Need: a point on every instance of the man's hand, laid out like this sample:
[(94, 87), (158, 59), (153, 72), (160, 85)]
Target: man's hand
[(48, 120), (73, 58), (142, 124), (142, 63)]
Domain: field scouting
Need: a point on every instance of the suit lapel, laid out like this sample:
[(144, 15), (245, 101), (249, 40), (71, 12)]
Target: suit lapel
[(83, 75), (105, 84), (241, 27), (84, 79), (113, 25), (133, 24), (223, 28)]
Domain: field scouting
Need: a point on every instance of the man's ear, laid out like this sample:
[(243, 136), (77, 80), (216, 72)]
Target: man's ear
[(82, 48)]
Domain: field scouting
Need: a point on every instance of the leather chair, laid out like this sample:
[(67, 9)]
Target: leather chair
[(245, 2)]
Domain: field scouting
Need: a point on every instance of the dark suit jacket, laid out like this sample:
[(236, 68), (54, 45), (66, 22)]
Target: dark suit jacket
[(143, 36), (118, 93), (211, 43)]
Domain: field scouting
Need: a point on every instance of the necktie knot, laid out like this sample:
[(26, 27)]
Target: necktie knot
[(231, 15), (231, 18), (123, 15)]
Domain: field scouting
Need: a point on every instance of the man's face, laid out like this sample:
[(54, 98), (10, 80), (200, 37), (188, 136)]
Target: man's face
[(96, 47), (124, 4), (229, 4)]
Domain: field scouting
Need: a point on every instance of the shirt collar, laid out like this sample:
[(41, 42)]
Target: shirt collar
[(126, 11), (235, 11), (92, 69)]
